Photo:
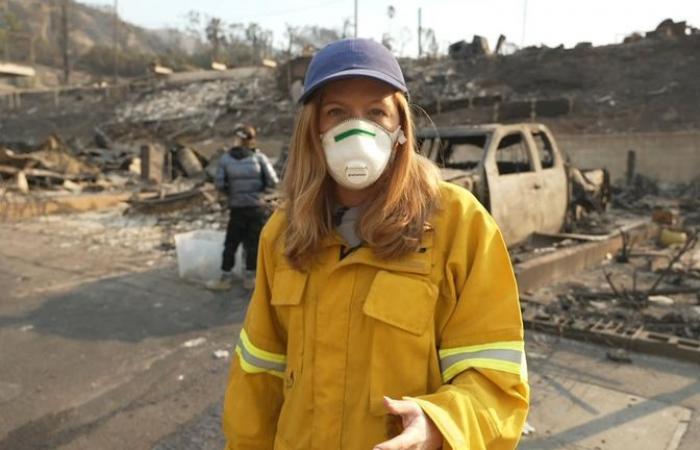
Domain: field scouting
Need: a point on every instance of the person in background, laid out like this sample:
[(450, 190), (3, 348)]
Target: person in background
[(244, 174), (385, 314)]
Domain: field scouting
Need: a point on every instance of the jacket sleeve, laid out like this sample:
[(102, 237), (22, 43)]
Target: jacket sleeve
[(254, 393), (220, 177), (269, 174), (484, 400)]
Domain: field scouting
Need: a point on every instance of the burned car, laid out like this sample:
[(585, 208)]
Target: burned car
[(518, 173)]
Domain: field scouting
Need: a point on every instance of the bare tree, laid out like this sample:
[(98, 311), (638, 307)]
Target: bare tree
[(431, 42), (230, 43), (388, 41), (387, 38), (65, 41), (215, 36), (315, 36), (291, 35), (348, 27), (258, 39), (194, 24), (310, 36), (6, 27), (404, 38)]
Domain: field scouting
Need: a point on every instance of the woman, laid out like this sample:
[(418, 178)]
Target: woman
[(385, 313), (244, 174)]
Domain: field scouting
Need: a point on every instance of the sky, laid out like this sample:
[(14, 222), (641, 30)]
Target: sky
[(528, 22)]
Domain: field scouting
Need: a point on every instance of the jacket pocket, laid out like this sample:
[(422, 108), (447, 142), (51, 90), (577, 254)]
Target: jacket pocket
[(287, 298), (403, 310), (288, 289), (288, 286)]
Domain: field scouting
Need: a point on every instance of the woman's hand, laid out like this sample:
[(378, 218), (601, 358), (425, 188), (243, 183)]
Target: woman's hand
[(419, 432)]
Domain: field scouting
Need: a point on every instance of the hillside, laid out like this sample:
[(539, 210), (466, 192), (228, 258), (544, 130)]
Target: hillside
[(91, 35)]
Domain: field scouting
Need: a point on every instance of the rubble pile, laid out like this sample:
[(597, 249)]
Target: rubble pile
[(151, 235), (203, 106), (444, 81), (161, 178), (672, 309), (115, 159), (609, 88), (52, 155), (55, 166), (652, 284), (644, 195), (192, 100)]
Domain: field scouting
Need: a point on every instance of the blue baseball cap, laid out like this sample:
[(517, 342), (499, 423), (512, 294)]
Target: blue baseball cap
[(350, 58)]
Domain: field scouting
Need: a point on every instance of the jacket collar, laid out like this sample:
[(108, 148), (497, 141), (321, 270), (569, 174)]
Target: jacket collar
[(418, 262)]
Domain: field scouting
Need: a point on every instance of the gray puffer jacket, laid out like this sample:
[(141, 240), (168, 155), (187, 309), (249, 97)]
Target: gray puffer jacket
[(244, 174)]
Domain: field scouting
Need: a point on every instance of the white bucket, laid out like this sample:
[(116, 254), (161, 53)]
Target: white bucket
[(199, 254)]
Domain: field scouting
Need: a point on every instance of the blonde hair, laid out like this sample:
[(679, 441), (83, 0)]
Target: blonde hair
[(392, 224)]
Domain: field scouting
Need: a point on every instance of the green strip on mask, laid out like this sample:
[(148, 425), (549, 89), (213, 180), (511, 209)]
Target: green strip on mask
[(354, 131)]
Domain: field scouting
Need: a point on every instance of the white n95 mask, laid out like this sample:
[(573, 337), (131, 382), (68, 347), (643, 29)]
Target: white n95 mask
[(358, 151)]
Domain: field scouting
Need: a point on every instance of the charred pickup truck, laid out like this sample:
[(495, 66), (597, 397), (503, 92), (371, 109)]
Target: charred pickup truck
[(519, 174)]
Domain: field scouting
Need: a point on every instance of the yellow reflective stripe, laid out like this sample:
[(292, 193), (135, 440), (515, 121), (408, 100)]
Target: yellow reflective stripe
[(250, 368), (506, 345), (259, 353), (463, 365), (505, 356)]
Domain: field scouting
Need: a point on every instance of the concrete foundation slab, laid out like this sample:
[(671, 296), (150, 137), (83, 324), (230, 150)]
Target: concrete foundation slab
[(570, 414), (582, 400)]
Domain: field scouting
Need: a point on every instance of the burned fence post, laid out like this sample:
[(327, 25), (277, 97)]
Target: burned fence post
[(152, 163), (188, 161), (499, 44)]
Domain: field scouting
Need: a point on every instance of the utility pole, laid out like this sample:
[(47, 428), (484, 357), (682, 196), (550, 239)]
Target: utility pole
[(355, 18), (116, 39), (522, 41), (64, 41), (420, 32)]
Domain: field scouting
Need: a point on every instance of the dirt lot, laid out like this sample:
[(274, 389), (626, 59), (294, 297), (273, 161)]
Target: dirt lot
[(104, 347)]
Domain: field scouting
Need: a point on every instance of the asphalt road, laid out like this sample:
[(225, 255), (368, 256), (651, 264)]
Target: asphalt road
[(94, 351)]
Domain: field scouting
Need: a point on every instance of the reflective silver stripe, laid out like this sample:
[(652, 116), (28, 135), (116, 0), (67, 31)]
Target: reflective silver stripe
[(512, 356), (261, 363)]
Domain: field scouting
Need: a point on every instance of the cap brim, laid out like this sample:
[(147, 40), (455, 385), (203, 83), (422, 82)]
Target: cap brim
[(348, 74)]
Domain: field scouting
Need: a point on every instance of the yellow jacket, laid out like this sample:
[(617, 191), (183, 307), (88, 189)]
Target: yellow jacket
[(441, 326)]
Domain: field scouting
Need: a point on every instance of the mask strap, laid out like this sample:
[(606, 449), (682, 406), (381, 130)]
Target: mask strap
[(402, 137), (398, 135)]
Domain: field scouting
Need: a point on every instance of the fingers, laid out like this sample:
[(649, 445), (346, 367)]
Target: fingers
[(401, 407), (405, 440), (419, 432)]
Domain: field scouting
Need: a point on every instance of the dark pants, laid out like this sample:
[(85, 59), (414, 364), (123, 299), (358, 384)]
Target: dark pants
[(244, 225)]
